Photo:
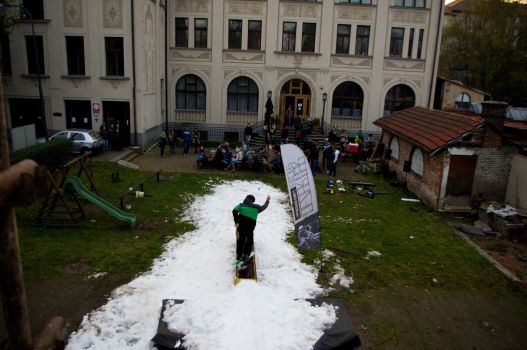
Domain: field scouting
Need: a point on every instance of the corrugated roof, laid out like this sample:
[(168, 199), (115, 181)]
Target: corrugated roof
[(427, 128)]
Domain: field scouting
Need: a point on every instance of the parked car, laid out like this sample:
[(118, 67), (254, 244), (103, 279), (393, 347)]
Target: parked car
[(82, 140)]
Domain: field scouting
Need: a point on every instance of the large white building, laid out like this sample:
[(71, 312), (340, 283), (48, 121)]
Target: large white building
[(220, 59)]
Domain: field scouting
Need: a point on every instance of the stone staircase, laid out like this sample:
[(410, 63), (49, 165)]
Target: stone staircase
[(258, 140)]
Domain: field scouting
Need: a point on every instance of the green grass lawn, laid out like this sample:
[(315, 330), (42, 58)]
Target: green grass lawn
[(420, 253)]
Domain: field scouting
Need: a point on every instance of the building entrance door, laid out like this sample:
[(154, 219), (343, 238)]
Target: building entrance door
[(78, 114), (460, 180), (295, 101)]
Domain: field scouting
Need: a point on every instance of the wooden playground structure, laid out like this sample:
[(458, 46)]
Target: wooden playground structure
[(56, 210)]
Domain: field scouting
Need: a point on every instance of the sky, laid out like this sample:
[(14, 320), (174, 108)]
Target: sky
[(198, 267)]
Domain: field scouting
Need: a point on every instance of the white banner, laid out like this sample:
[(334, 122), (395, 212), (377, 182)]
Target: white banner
[(303, 196)]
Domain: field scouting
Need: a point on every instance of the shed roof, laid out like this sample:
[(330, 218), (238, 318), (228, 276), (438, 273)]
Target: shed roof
[(427, 128)]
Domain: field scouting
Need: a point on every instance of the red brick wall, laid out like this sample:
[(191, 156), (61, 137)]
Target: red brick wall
[(490, 177), (427, 187)]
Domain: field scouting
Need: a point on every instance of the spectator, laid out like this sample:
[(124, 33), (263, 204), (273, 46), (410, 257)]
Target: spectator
[(248, 133), (162, 142), (284, 133), (195, 139), (333, 161), (104, 135), (172, 141), (202, 158), (187, 137), (236, 160)]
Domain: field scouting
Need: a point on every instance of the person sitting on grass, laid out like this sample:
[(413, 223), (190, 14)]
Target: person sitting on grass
[(227, 157), (202, 158), (236, 160)]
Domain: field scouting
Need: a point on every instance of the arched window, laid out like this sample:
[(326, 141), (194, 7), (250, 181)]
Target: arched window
[(347, 100), (394, 146), (190, 93), (417, 162), (295, 87), (463, 101), (242, 95), (398, 98)]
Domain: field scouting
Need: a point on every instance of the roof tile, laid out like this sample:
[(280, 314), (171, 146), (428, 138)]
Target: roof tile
[(428, 128)]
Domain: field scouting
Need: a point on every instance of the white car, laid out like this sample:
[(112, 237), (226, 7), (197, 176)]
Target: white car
[(83, 140)]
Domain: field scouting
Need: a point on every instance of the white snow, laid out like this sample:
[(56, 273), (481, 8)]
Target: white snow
[(198, 267), (340, 277), (97, 274), (505, 211), (374, 253)]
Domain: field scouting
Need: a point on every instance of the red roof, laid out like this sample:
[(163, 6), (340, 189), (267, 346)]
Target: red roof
[(427, 128)]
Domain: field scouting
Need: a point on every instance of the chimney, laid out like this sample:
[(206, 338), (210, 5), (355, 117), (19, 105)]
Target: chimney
[(494, 113)]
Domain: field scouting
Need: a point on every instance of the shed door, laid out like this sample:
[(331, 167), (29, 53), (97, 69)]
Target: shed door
[(460, 180)]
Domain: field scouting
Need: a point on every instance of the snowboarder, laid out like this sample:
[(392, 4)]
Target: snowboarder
[(245, 215)]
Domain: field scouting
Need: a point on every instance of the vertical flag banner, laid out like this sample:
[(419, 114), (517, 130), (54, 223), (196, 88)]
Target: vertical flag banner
[(303, 196)]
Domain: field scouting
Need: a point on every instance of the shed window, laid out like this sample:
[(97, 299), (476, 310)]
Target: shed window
[(417, 162), (394, 146)]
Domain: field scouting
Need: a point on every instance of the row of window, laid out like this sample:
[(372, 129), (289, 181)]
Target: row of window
[(398, 3), (114, 52), (397, 41), (308, 38), (416, 159), (242, 96)]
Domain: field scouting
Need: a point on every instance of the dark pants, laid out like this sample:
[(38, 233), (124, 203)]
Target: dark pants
[(333, 168), (186, 145), (244, 243)]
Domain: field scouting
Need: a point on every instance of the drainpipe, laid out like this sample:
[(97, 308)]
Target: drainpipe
[(436, 53), (133, 70), (166, 66)]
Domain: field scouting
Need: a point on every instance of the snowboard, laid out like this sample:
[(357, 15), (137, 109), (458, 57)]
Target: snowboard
[(245, 269)]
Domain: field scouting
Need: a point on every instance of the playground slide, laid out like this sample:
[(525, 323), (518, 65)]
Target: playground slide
[(73, 183)]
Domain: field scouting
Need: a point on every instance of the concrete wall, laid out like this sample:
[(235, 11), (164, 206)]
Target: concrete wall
[(94, 20), (492, 173), (517, 186), (451, 91)]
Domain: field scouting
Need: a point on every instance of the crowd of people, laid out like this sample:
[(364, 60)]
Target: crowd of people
[(268, 157), (111, 136)]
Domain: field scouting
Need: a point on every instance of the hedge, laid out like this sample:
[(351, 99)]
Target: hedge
[(50, 154)]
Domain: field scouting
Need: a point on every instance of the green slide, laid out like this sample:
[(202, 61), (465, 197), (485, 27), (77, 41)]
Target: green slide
[(73, 183)]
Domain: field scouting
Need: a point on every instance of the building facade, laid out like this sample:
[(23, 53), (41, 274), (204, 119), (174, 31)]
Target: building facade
[(367, 57), (99, 61), (215, 62)]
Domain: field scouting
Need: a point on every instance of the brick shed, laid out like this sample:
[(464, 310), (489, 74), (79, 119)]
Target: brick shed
[(450, 161)]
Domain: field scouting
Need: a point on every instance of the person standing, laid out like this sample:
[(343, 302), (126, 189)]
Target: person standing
[(289, 116), (314, 153), (284, 134), (117, 139), (333, 161), (248, 133), (162, 142), (172, 141), (187, 137), (195, 139), (104, 135), (245, 215), (111, 136)]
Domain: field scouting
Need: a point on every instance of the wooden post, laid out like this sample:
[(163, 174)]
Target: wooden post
[(11, 279)]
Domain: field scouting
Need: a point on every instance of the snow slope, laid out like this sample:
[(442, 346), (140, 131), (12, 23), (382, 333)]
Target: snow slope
[(198, 267)]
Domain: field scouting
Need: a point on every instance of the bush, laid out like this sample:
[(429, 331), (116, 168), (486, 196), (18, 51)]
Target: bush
[(50, 154), (316, 122)]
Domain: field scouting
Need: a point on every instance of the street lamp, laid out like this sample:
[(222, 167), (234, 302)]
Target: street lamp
[(324, 99), (39, 78)]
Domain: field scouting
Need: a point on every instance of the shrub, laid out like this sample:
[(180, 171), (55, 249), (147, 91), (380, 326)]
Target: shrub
[(50, 154)]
